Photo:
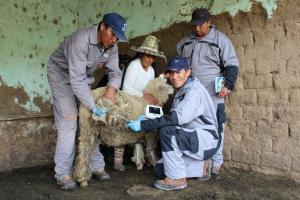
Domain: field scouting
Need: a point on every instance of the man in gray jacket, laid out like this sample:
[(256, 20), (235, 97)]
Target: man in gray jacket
[(70, 75), (211, 55)]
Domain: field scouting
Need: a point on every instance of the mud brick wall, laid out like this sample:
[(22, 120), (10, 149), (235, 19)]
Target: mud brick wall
[(263, 130)]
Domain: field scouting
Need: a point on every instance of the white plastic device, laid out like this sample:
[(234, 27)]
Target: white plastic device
[(152, 112), (219, 83)]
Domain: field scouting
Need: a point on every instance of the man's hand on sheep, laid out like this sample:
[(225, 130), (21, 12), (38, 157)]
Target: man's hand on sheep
[(98, 111), (135, 125), (151, 99), (141, 117)]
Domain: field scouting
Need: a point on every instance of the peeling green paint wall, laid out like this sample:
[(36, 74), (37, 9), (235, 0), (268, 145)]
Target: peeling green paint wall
[(30, 30), (146, 16)]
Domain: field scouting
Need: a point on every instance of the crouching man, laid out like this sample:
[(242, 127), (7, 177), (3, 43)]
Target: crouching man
[(188, 135)]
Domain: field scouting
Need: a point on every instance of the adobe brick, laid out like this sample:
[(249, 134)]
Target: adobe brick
[(246, 157), (277, 161), (271, 96), (257, 113), (257, 144), (258, 81), (288, 146), (243, 97), (276, 129)]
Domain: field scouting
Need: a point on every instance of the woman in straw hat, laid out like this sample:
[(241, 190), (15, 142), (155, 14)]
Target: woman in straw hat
[(140, 70), (137, 76)]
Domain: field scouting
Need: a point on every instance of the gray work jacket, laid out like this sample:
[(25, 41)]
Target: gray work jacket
[(194, 107), (207, 56), (76, 59), (191, 109)]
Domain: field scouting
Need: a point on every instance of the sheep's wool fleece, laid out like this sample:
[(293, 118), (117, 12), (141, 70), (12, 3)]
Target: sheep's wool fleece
[(112, 126)]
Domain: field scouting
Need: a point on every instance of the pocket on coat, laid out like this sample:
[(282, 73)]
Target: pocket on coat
[(187, 141), (213, 54), (187, 51)]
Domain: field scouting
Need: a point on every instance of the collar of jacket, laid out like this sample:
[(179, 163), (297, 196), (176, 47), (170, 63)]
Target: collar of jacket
[(93, 34), (93, 37), (186, 86)]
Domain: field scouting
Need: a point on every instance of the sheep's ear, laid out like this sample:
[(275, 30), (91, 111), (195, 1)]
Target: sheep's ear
[(162, 75)]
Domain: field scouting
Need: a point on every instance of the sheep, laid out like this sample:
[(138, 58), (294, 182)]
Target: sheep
[(110, 129)]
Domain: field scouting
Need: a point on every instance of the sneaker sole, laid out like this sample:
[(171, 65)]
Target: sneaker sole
[(67, 188), (204, 178), (158, 186)]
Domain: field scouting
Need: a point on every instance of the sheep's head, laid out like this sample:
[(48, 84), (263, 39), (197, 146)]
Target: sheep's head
[(160, 89)]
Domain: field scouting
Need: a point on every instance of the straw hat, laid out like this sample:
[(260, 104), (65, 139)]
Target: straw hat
[(150, 46)]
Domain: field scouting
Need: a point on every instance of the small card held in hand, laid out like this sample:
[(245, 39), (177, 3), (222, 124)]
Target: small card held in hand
[(219, 83)]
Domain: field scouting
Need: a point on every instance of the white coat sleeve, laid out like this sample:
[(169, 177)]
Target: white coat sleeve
[(130, 80)]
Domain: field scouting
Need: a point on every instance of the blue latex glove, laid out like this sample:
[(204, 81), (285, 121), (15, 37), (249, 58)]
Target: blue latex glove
[(98, 111), (141, 117), (134, 125)]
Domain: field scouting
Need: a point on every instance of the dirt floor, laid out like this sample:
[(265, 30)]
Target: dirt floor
[(38, 183)]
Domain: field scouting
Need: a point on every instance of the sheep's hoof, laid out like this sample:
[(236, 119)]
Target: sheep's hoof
[(140, 166), (150, 158), (120, 168), (83, 184)]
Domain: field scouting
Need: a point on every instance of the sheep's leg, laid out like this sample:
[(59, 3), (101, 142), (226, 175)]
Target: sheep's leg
[(150, 147), (86, 145), (138, 156), (118, 159), (150, 156)]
